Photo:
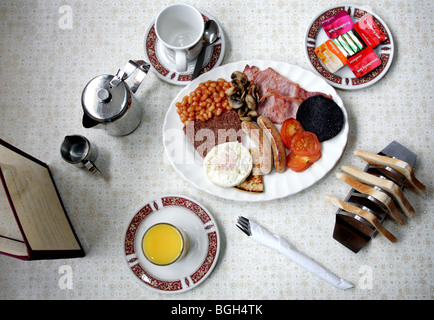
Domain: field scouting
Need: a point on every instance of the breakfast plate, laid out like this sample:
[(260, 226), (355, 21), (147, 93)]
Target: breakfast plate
[(181, 153), (204, 244), (344, 78), (163, 62)]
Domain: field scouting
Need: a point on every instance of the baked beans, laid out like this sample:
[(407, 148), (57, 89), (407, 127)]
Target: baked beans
[(207, 100)]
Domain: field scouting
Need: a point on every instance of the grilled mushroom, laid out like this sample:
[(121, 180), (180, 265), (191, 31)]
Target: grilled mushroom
[(242, 112), (254, 91), (243, 96), (238, 75), (250, 102), (246, 118), (231, 91), (252, 113), (235, 103)]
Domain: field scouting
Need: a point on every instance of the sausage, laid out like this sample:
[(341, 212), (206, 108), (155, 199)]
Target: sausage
[(273, 134), (264, 146)]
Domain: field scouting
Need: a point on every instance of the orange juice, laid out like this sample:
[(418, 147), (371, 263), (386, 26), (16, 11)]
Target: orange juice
[(163, 244)]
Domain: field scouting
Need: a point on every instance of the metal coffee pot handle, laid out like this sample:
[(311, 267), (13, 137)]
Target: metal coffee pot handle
[(126, 72)]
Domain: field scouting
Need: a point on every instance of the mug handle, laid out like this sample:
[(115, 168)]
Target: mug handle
[(92, 168), (181, 60)]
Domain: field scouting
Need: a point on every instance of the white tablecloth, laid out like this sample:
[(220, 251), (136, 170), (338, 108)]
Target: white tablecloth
[(44, 68)]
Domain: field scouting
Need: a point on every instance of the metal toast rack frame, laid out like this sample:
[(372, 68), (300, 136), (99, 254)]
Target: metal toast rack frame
[(353, 231)]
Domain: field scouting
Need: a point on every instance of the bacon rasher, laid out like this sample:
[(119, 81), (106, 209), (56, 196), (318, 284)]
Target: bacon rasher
[(280, 97)]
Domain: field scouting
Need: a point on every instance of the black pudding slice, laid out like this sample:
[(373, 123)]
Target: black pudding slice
[(321, 116)]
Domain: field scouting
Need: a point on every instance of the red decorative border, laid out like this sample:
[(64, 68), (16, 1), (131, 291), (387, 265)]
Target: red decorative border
[(146, 278), (151, 50), (209, 260), (313, 33), (132, 228), (151, 42), (141, 273), (188, 204)]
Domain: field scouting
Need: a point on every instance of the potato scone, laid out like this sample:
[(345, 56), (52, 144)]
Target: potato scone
[(255, 181)]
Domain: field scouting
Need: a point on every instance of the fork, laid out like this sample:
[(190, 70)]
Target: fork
[(243, 224), (260, 235)]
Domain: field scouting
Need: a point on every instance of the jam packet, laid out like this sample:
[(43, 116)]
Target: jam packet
[(369, 31), (363, 62), (331, 56), (337, 24)]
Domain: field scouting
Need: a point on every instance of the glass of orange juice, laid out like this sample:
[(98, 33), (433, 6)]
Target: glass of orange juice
[(164, 244)]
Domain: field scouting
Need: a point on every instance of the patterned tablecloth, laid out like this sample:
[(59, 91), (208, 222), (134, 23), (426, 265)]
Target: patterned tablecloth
[(46, 58)]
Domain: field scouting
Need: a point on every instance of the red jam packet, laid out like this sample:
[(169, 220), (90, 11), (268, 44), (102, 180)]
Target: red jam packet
[(337, 24), (369, 31), (363, 62)]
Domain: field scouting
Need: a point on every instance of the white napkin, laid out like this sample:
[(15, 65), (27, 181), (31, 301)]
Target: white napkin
[(264, 237)]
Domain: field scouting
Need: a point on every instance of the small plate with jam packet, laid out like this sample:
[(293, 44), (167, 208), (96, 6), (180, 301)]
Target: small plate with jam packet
[(349, 46)]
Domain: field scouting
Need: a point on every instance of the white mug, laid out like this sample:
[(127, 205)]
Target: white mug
[(180, 28)]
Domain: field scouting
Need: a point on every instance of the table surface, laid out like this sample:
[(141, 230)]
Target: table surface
[(43, 70)]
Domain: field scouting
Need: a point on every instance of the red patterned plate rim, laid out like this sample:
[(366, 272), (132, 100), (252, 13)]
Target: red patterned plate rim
[(185, 283), (385, 50), (151, 56)]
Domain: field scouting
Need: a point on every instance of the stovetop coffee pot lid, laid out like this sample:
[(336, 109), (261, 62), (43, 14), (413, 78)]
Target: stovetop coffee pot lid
[(103, 101)]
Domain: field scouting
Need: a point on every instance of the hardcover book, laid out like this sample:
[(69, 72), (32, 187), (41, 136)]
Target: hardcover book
[(33, 221)]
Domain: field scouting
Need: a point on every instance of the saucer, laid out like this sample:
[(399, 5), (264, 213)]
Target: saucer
[(162, 61), (345, 78), (199, 226)]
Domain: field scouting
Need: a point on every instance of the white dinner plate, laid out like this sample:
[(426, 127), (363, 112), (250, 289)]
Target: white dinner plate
[(204, 244), (188, 163), (344, 78)]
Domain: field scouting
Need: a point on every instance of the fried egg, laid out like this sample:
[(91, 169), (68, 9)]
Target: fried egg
[(228, 164)]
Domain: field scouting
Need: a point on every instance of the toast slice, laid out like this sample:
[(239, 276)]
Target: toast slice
[(382, 197), (384, 184), (396, 164), (372, 219)]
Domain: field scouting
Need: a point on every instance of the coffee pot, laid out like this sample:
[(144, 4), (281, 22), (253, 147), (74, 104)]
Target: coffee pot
[(108, 101)]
